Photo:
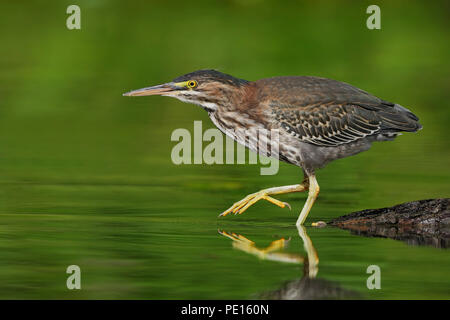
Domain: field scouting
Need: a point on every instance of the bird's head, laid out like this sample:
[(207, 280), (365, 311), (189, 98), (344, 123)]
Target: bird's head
[(207, 88)]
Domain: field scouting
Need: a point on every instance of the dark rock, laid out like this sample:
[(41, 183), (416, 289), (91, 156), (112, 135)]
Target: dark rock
[(424, 222), (309, 289)]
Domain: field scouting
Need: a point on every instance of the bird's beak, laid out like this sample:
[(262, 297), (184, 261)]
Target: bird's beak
[(161, 90)]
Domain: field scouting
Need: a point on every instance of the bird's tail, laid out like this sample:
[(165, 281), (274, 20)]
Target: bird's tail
[(398, 119)]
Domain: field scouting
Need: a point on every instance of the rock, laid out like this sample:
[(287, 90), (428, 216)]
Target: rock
[(424, 222), (309, 289)]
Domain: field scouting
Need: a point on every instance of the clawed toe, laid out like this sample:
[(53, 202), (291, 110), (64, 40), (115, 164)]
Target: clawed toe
[(242, 205)]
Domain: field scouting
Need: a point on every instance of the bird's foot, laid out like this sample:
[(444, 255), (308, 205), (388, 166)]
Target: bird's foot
[(236, 237), (248, 201), (242, 243), (319, 224)]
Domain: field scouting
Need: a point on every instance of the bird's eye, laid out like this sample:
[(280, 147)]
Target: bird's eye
[(191, 84)]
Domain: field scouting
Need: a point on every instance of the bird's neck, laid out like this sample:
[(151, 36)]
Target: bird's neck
[(236, 98), (238, 110)]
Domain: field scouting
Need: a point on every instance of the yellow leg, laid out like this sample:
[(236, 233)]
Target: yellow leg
[(312, 196), (269, 253), (313, 257), (248, 201)]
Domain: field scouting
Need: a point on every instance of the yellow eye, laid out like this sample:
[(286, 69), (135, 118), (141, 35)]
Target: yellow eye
[(191, 84)]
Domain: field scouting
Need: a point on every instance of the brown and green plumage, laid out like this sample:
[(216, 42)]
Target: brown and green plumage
[(318, 120)]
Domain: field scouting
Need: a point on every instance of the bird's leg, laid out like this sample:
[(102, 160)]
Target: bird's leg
[(313, 258), (270, 252), (312, 196), (242, 242), (244, 204)]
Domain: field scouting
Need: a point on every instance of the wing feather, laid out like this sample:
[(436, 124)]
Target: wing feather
[(327, 125), (327, 112)]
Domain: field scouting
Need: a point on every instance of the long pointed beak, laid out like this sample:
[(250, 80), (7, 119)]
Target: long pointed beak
[(162, 89)]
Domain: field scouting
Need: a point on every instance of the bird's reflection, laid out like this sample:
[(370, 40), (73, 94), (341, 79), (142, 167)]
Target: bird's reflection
[(306, 287)]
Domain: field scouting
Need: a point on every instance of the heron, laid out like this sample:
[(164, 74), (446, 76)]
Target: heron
[(318, 120)]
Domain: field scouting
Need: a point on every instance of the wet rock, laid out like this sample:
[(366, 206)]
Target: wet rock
[(424, 222)]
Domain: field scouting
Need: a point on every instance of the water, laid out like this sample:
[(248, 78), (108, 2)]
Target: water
[(86, 176)]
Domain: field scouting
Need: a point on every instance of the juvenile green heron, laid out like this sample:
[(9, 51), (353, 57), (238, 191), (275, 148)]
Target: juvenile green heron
[(318, 120)]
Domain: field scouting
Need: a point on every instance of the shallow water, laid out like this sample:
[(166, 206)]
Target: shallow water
[(86, 176), (157, 237)]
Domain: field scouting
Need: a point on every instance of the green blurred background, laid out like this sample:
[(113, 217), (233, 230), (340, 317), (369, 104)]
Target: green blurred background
[(86, 176)]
